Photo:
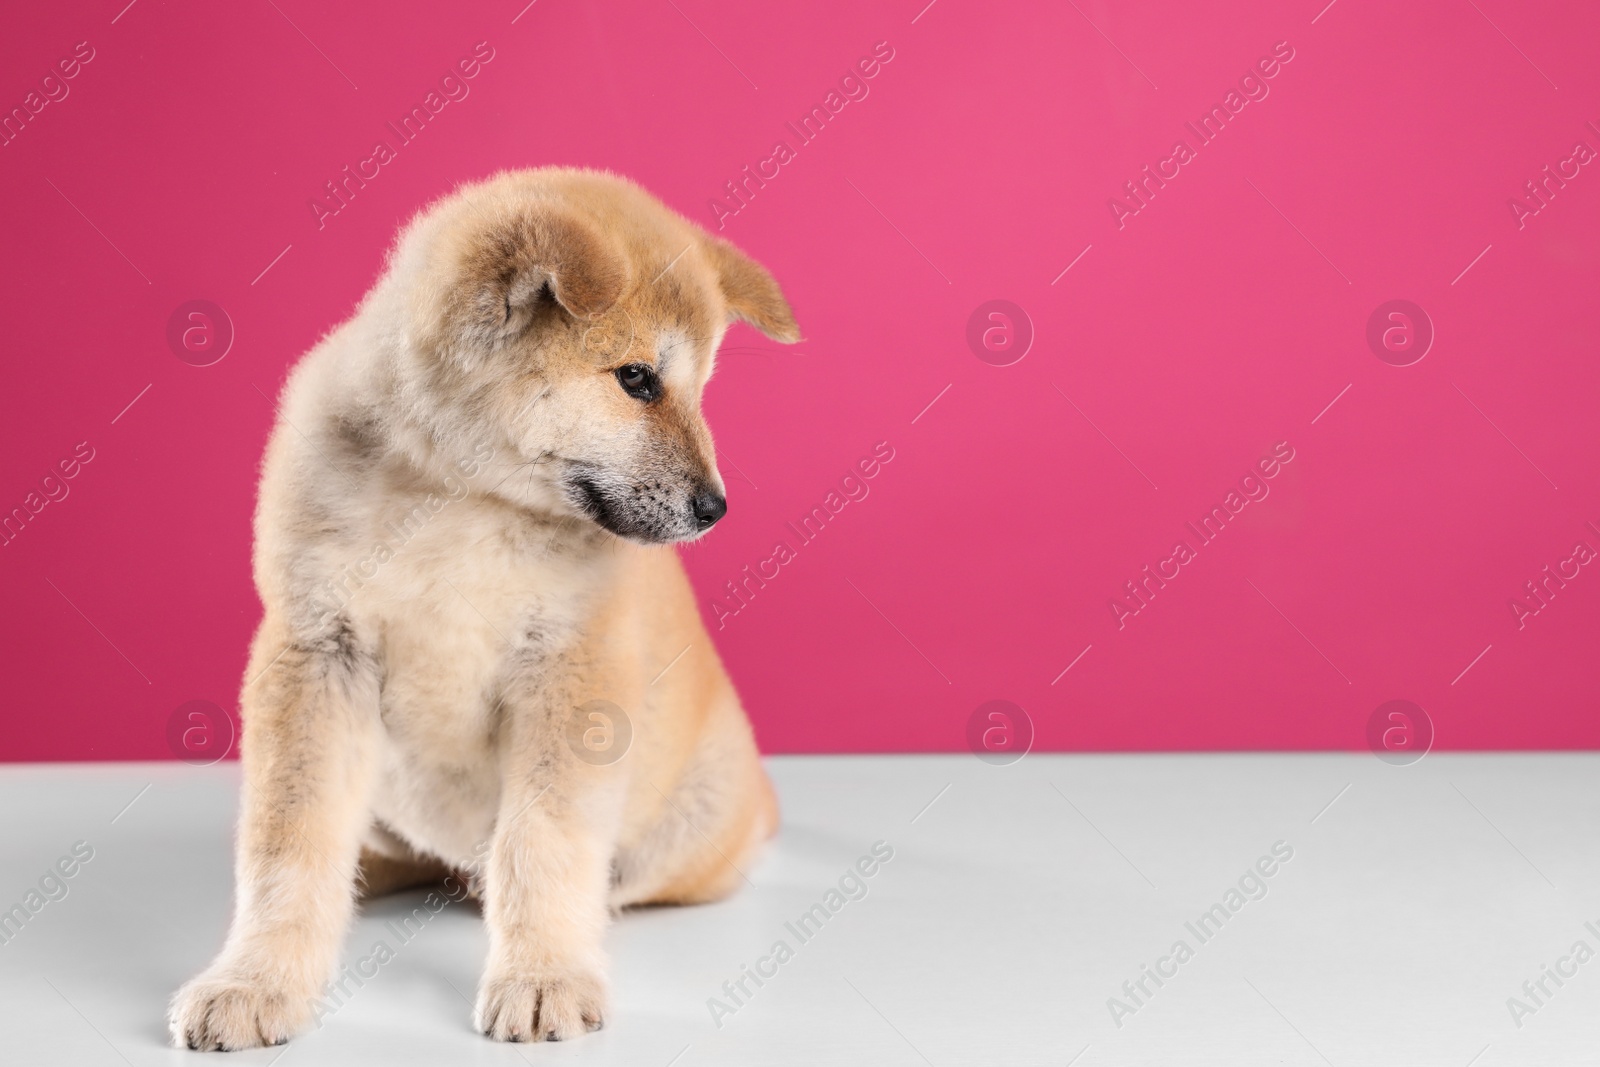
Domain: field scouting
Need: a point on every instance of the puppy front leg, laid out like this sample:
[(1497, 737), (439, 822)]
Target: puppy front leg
[(549, 871), (310, 726)]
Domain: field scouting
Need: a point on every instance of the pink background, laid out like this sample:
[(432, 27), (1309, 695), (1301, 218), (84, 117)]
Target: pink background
[(1222, 318)]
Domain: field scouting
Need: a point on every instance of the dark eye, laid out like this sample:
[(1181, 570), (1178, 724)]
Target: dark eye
[(639, 381)]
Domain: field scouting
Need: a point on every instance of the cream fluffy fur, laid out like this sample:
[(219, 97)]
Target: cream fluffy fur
[(459, 543)]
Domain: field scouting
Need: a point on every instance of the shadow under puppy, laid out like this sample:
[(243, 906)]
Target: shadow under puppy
[(459, 546)]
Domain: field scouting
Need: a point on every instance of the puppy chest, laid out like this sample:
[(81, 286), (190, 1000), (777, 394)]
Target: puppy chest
[(457, 613)]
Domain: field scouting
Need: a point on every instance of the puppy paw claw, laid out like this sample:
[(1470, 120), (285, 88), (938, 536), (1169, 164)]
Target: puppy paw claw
[(226, 1013), (540, 1006)]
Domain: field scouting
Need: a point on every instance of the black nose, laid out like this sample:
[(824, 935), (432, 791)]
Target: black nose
[(708, 508)]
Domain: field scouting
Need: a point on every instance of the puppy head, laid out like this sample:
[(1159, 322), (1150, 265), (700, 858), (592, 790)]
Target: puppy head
[(575, 319)]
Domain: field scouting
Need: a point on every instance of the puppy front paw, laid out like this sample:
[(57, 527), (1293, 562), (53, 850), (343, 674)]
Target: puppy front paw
[(223, 1011), (541, 1004)]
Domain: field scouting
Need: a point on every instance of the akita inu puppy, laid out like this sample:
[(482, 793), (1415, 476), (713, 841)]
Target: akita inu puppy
[(476, 653)]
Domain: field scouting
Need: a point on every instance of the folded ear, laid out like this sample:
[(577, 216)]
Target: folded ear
[(751, 293), (499, 266)]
